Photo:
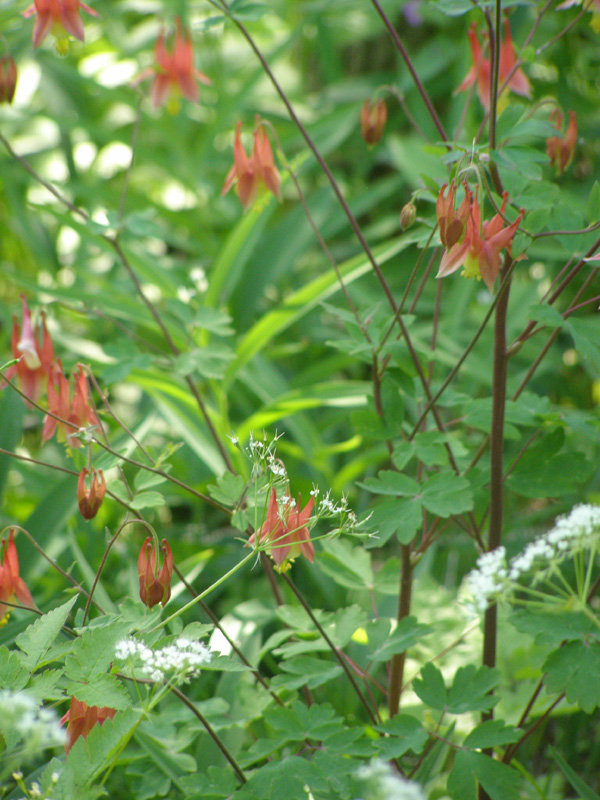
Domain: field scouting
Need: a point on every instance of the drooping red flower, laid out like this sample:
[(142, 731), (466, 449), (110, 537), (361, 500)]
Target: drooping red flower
[(561, 149), (81, 718), (481, 71), (155, 587), (76, 413), (90, 500), (451, 223), (373, 117), (11, 584), (8, 79), (59, 16), (251, 173), (36, 360), (175, 72), (285, 532), (479, 251)]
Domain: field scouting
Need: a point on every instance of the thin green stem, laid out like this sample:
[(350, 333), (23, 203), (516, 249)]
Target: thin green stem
[(203, 594)]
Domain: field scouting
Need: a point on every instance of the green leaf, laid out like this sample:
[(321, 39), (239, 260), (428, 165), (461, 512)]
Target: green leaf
[(551, 628), (492, 733), (390, 482), (348, 566), (430, 687), (147, 500), (301, 722), (547, 315), (429, 448), (574, 670), (36, 640), (13, 674), (407, 634), (584, 791), (404, 733), (498, 780), (210, 361), (306, 671), (470, 689), (228, 489), (94, 650), (445, 494), (89, 757), (105, 690)]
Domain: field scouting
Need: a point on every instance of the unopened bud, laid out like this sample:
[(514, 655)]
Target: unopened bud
[(8, 79), (372, 120), (408, 216), (155, 586), (90, 500)]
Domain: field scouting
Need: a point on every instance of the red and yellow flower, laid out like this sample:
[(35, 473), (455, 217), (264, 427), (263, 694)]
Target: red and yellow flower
[(249, 174), (36, 360), (12, 586), (479, 251), (481, 71), (284, 533), (62, 17)]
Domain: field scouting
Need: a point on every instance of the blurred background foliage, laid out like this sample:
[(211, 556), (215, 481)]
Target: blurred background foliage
[(252, 301)]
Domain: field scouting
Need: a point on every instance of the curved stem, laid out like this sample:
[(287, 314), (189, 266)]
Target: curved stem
[(417, 81)]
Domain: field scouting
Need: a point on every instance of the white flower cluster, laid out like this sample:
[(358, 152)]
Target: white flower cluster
[(37, 727), (379, 782), (571, 534), (488, 579), (184, 658), (264, 456)]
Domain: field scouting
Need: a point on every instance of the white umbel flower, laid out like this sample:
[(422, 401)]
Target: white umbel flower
[(178, 661)]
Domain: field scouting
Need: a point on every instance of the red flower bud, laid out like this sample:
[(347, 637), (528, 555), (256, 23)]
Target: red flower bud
[(154, 587), (90, 500), (372, 120), (8, 79), (452, 223), (408, 216)]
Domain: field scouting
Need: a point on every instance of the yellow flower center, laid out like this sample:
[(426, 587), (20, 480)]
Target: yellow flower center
[(471, 268)]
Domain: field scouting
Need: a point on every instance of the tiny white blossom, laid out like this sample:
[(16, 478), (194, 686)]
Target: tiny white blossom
[(183, 658)]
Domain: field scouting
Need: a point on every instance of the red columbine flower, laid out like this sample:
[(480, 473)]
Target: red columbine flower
[(155, 587), (254, 172), (90, 500), (561, 149), (479, 252), (452, 223), (77, 414), (176, 73), (8, 79), (481, 71), (11, 584), (59, 16), (373, 117), (285, 532), (82, 718), (36, 361)]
